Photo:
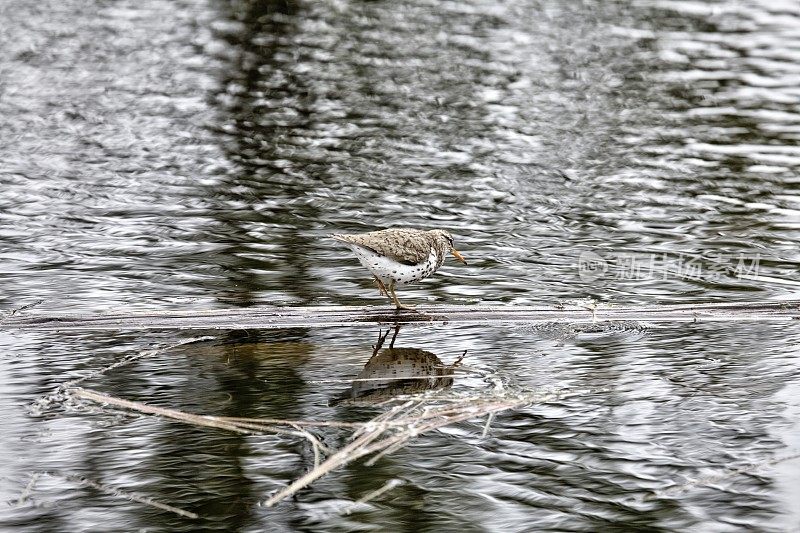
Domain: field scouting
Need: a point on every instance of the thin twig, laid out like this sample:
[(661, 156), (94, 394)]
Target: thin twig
[(279, 421), (418, 422), (334, 461), (28, 489), (24, 307), (362, 437), (127, 495), (263, 428), (488, 424), (389, 446), (246, 428), (389, 485), (198, 420), (316, 445), (382, 418), (131, 358), (60, 391)]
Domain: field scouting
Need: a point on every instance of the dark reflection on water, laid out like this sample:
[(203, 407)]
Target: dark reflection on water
[(190, 153), (395, 371), (270, 208)]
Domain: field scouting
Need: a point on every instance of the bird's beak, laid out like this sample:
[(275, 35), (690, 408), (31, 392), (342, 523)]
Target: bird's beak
[(458, 256)]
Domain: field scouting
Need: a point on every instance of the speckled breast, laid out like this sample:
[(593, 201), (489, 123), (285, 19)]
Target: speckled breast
[(388, 270)]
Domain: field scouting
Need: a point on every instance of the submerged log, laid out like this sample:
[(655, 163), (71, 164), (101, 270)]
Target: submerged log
[(290, 317)]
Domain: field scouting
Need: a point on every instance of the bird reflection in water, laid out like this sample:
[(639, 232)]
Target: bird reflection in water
[(394, 371)]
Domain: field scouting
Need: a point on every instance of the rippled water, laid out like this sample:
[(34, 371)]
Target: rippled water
[(191, 154)]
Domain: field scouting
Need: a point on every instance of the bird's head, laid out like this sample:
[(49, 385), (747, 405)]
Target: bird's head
[(444, 243)]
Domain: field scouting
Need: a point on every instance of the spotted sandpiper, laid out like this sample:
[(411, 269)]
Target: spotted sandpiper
[(400, 256)]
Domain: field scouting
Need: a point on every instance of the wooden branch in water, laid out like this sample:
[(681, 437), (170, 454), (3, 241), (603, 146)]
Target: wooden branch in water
[(289, 317), (132, 496), (381, 435)]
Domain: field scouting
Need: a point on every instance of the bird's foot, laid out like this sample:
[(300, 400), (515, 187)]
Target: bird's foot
[(401, 306), (412, 309)]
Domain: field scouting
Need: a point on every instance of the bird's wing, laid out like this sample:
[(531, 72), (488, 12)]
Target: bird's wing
[(404, 246)]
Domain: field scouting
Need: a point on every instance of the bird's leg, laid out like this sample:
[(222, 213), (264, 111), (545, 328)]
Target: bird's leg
[(396, 331), (381, 287), (395, 300), (381, 340)]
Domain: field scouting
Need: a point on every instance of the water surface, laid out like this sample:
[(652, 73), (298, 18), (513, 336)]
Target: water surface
[(194, 154)]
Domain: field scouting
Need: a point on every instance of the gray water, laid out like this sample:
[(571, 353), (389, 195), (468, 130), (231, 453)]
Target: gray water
[(194, 155)]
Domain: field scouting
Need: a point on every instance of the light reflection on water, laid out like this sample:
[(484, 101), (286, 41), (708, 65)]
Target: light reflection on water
[(180, 154)]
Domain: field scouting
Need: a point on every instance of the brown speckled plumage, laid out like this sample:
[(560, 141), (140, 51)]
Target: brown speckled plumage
[(404, 245), (399, 256)]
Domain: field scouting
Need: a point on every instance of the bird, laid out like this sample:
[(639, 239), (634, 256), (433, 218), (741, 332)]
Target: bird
[(399, 256)]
